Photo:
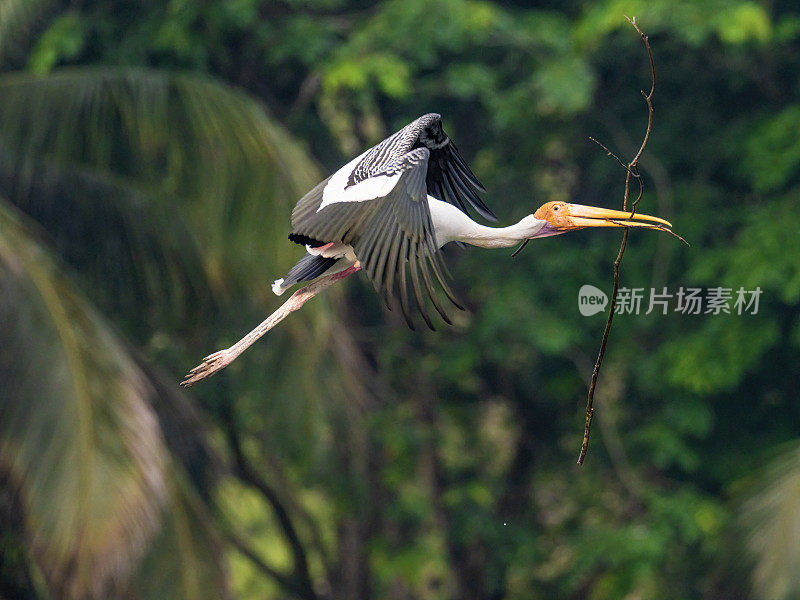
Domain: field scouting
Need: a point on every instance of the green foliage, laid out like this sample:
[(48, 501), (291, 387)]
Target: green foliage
[(773, 151), (116, 151), (142, 141), (62, 41)]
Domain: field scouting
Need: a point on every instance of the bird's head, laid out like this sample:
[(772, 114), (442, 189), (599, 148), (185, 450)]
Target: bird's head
[(555, 218), (560, 217)]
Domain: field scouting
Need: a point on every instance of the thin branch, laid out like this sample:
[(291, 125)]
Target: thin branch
[(284, 488), (610, 153), (632, 171), (221, 359)]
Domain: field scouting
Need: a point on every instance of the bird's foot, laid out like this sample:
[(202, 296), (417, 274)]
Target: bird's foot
[(210, 365)]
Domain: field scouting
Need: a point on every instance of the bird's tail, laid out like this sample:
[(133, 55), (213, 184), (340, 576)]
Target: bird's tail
[(307, 268)]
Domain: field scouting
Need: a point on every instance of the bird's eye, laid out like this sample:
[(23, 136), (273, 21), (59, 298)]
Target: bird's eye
[(555, 208)]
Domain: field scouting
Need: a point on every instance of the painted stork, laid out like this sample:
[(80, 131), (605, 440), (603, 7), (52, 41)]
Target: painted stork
[(389, 211)]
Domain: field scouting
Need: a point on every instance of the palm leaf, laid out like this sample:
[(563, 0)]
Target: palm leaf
[(159, 187), (111, 231), (79, 441), (200, 157)]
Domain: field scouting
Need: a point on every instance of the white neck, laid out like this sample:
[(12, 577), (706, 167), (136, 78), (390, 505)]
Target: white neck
[(450, 225)]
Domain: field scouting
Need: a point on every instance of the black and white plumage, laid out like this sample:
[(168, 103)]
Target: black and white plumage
[(376, 209)]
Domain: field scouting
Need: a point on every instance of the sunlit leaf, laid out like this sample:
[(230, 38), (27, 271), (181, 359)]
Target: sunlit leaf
[(748, 21), (64, 39)]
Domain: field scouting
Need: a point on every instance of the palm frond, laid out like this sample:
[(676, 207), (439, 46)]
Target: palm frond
[(772, 518), (208, 152), (79, 442)]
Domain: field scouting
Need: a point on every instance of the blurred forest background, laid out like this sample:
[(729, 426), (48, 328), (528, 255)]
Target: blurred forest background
[(150, 154)]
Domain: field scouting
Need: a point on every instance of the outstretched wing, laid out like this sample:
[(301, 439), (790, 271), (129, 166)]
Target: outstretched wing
[(447, 175), (386, 219)]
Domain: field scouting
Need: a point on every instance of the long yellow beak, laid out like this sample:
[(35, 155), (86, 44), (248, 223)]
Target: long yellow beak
[(578, 216)]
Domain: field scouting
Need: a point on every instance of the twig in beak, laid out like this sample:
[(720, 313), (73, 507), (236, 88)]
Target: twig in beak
[(652, 226)]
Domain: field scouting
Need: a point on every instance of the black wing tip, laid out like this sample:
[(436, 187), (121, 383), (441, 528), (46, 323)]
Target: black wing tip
[(454, 178), (432, 116)]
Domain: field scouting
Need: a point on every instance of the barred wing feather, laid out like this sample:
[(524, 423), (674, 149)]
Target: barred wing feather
[(447, 177), (391, 234)]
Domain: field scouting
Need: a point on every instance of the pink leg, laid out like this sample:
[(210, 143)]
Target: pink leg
[(221, 359)]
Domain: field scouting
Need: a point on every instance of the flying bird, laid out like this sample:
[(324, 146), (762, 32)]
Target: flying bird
[(389, 211)]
